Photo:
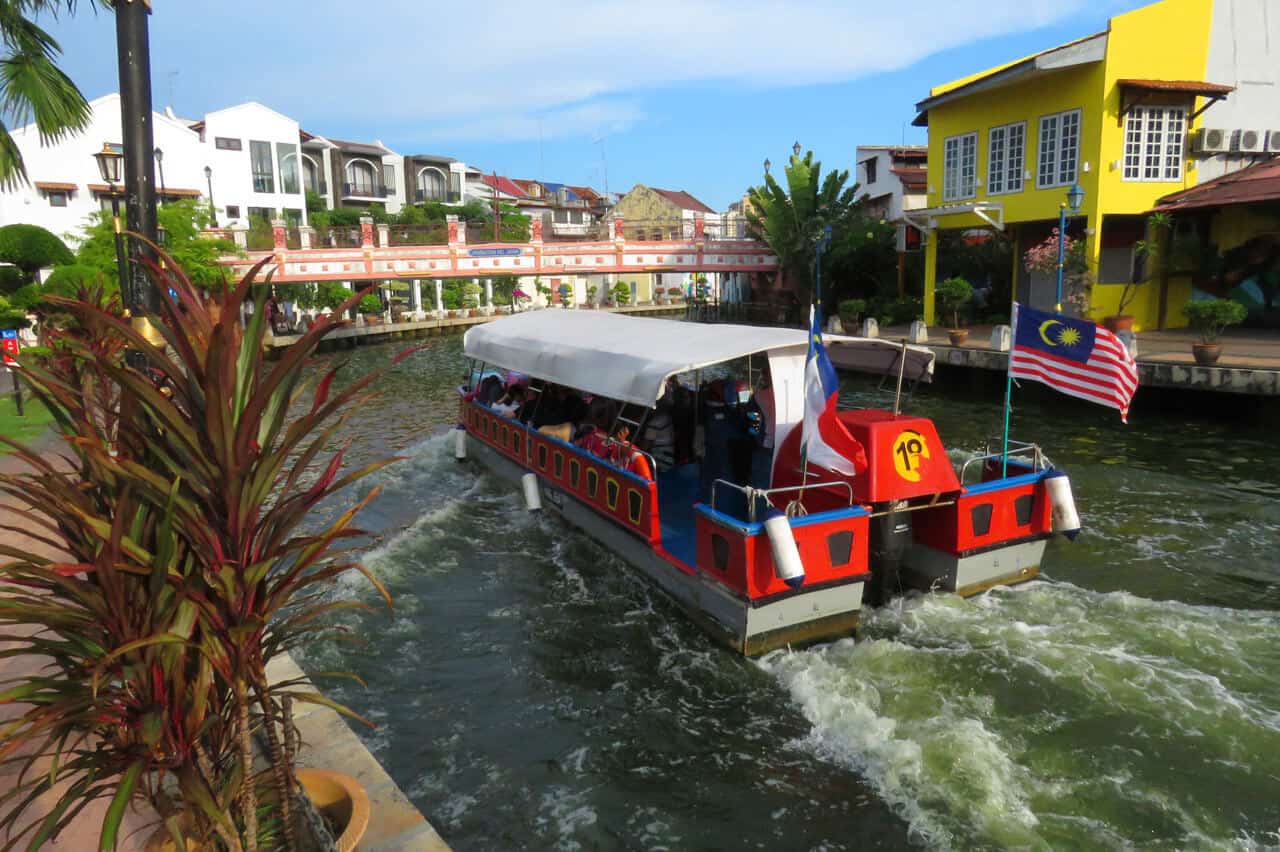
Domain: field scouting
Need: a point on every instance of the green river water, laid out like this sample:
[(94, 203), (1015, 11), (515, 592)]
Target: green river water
[(531, 692)]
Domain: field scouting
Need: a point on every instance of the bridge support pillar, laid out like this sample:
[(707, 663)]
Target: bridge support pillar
[(306, 236), (488, 295), (439, 298), (416, 295)]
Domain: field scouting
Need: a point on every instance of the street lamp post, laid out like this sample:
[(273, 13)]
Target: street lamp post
[(213, 211), (767, 164), (109, 163), (160, 169), (1075, 195), (823, 242), (134, 57)]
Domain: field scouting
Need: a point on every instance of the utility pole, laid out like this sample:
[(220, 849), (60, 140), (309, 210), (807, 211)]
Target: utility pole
[(134, 53), (497, 210)]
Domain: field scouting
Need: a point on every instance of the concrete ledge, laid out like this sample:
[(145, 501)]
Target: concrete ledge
[(328, 743)]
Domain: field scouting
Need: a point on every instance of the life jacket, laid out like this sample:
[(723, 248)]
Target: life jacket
[(632, 460)]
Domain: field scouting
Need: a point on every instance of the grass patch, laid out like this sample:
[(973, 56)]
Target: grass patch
[(23, 429)]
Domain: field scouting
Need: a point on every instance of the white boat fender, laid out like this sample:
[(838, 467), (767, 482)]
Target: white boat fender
[(460, 443), (786, 556), (1062, 505), (532, 494)]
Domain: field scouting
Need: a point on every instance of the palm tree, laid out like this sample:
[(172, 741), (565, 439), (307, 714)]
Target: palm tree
[(32, 87), (792, 220)]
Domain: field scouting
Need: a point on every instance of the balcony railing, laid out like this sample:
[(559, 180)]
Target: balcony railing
[(363, 190), (450, 197)]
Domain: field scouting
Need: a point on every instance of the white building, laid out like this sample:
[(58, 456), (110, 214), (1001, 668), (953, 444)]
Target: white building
[(893, 177), (249, 159)]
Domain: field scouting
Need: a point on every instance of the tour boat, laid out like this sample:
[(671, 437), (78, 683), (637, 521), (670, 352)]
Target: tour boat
[(777, 551)]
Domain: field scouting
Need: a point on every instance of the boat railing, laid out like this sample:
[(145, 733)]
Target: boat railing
[(614, 442), (753, 494), (1018, 450)]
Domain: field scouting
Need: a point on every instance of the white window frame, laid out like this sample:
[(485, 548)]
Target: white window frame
[(1054, 149), (1005, 163), (954, 185), (1155, 143)]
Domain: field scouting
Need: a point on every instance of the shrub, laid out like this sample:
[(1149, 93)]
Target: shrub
[(471, 294), (369, 304), (31, 248), (622, 293), (853, 309), (1211, 316)]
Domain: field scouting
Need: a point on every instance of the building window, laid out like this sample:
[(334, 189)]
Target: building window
[(869, 168), (233, 211), (1005, 154), (288, 156), (260, 160), (1059, 149), (560, 217), (222, 143), (389, 177), (1154, 140), (292, 217), (265, 214), (959, 166), (431, 184), (361, 176), (57, 198)]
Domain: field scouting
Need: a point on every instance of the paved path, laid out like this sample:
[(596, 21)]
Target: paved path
[(83, 833)]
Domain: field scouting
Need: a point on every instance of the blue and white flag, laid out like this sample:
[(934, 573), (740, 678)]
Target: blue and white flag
[(824, 441)]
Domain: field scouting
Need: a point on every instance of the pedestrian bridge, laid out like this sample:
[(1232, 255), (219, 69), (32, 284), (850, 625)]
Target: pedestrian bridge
[(387, 252)]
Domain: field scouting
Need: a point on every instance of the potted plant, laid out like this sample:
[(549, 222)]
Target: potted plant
[(1158, 229), (1210, 317), (370, 306), (471, 298), (192, 559), (592, 289), (851, 311), (566, 296), (621, 294), (954, 293)]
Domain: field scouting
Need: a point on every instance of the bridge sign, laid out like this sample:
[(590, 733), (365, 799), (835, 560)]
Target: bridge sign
[(494, 252)]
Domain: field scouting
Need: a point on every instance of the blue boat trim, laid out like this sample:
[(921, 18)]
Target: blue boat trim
[(1000, 484)]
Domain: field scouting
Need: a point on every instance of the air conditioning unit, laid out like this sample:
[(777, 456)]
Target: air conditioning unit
[(1212, 140), (1247, 141), (1273, 141)]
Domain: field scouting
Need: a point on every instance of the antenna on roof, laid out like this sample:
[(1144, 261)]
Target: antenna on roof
[(542, 163)]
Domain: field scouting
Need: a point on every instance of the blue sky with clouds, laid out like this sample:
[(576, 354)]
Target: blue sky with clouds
[(680, 94)]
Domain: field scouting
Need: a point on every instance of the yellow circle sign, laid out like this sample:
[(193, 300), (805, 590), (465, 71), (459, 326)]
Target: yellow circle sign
[(909, 448)]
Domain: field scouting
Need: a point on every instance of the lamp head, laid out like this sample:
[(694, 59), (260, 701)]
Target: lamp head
[(1075, 197), (110, 161), (795, 149), (767, 164), (159, 155), (208, 172)]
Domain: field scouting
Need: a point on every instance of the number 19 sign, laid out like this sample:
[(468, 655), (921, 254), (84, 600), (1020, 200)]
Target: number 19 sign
[(9, 346)]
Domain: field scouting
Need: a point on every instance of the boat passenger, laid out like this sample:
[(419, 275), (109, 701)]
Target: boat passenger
[(658, 439), (511, 402), (626, 455)]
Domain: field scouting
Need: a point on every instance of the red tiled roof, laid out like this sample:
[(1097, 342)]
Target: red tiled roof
[(585, 192), (1256, 183), (1186, 87), (683, 200), (503, 185), (524, 184)]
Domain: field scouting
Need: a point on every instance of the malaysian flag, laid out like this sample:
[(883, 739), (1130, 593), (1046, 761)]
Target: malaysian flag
[(1072, 356)]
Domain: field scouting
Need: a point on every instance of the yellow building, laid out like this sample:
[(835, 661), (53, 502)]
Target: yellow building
[(1168, 96)]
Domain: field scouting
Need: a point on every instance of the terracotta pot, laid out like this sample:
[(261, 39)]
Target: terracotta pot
[(373, 319), (473, 312), (849, 321), (342, 802), (1206, 354), (958, 336), (1118, 322)]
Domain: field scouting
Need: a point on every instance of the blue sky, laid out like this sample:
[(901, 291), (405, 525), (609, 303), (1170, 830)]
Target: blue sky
[(680, 94)]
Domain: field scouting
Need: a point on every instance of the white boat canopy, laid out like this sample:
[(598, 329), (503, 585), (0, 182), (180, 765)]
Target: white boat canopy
[(630, 358)]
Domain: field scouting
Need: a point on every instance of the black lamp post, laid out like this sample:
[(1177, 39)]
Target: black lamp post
[(795, 149), (767, 164), (160, 169), (110, 162), (213, 211)]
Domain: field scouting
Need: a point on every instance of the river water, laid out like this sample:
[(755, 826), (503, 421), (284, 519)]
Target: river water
[(530, 692)]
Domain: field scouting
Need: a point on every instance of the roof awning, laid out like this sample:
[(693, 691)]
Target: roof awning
[(1256, 184), (1135, 91), (177, 192), (53, 186), (104, 189), (630, 358), (926, 218)]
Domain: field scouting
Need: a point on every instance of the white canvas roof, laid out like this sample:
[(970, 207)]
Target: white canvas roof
[(630, 358)]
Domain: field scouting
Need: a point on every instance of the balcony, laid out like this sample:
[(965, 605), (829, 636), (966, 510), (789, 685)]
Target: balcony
[(450, 197), (364, 190), (572, 229)]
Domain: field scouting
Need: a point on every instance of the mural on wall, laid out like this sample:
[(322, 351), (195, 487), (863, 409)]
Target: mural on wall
[(1249, 274)]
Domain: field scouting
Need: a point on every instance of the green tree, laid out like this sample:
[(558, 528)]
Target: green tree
[(791, 220), (183, 222), (29, 248), (11, 317), (32, 87)]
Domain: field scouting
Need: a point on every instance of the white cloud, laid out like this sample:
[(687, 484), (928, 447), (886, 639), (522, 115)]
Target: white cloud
[(444, 71)]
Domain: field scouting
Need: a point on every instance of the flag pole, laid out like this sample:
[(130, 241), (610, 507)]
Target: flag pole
[(1008, 393)]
